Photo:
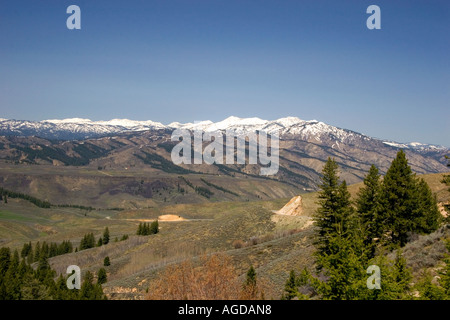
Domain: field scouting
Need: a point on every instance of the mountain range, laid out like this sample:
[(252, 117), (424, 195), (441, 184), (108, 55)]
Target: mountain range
[(78, 128), (305, 145)]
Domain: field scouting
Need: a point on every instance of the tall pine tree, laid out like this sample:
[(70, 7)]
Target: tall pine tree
[(407, 204), (106, 236), (398, 201), (154, 227), (101, 276), (427, 214), (290, 287), (367, 206), (334, 211)]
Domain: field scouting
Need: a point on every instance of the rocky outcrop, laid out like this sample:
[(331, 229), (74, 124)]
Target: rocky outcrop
[(293, 208)]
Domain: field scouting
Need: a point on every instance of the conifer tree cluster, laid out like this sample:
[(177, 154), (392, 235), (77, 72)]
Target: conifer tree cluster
[(88, 240), (351, 236), (5, 194), (20, 281), (146, 229), (49, 250), (90, 290), (406, 204)]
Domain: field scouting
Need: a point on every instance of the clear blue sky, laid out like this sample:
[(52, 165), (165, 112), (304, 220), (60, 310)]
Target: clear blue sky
[(187, 60)]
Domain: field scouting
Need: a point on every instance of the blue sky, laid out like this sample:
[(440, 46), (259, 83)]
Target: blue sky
[(186, 60)]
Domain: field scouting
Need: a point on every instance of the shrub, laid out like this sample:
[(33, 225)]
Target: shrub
[(237, 244)]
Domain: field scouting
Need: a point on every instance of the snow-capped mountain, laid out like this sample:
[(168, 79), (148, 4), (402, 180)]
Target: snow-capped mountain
[(74, 128), (308, 130), (415, 146), (305, 145), (290, 126)]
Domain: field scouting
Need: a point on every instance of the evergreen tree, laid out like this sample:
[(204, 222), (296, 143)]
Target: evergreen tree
[(250, 279), (37, 252), (290, 287), (5, 260), (19, 281), (335, 210), (43, 268), (87, 242), (45, 249), (102, 277), (249, 286), (30, 257), (427, 215), (89, 290), (33, 289), (106, 236), (11, 279), (154, 227), (146, 229), (406, 204), (22, 269), (83, 244), (100, 242), (91, 240), (344, 274), (343, 269), (65, 247), (398, 201), (395, 280), (140, 230), (26, 249), (64, 293), (367, 205), (69, 247), (343, 255), (402, 274), (106, 262), (15, 261), (53, 250), (345, 212), (87, 287), (345, 239), (251, 290)]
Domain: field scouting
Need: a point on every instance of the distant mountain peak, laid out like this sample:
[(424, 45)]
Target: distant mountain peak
[(418, 146)]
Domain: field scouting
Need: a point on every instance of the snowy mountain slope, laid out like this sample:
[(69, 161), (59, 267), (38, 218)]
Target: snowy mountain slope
[(75, 128), (415, 146), (307, 130)]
